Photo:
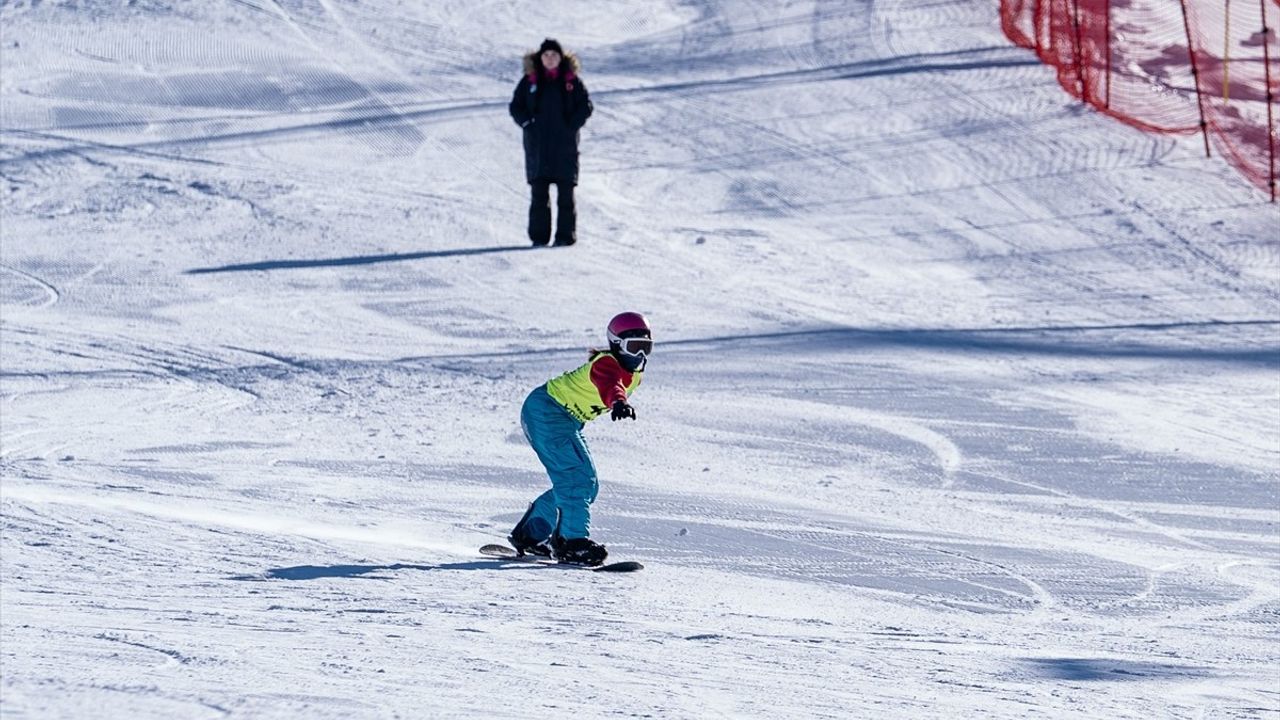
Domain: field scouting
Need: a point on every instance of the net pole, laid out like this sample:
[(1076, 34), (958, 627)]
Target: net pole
[(1195, 75), (1079, 49), (1107, 34), (1271, 126), (1226, 52)]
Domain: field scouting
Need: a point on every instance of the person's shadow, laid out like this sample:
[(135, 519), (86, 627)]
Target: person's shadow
[(316, 572), (354, 260)]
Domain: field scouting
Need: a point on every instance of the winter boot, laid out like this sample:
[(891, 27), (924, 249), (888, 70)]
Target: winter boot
[(579, 551)]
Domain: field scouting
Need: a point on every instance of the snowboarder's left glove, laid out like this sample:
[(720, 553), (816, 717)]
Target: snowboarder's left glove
[(622, 410)]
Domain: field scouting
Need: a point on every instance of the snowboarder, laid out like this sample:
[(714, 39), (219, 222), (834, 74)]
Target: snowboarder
[(551, 105), (558, 523)]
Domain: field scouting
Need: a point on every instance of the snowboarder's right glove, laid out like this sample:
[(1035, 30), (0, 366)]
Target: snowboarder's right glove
[(622, 410), (527, 123)]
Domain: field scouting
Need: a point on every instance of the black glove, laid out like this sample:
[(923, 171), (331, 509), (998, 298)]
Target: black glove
[(527, 123), (622, 410)]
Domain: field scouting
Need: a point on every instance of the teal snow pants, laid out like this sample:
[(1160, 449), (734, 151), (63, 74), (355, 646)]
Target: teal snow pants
[(557, 438)]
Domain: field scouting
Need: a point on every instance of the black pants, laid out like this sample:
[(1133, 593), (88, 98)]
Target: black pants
[(540, 213)]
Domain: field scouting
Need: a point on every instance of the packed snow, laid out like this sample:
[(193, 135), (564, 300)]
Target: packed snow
[(965, 401)]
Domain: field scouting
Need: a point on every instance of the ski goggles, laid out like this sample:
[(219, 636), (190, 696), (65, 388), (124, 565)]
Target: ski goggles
[(636, 346)]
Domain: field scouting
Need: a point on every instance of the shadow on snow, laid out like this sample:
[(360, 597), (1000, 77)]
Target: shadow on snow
[(1133, 340), (1193, 341), (317, 572), (1170, 340), (1085, 669), (354, 260)]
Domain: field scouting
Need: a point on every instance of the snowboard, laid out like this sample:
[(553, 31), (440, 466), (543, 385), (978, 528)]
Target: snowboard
[(506, 553)]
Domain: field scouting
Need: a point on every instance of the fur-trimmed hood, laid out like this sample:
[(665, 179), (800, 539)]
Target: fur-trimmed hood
[(569, 61)]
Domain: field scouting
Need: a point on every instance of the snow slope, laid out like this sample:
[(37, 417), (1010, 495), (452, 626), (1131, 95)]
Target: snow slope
[(966, 404)]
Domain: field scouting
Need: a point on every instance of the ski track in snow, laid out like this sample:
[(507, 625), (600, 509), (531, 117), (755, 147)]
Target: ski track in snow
[(964, 404), (49, 294)]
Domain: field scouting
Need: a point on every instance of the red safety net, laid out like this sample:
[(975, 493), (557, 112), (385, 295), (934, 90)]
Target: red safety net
[(1169, 66)]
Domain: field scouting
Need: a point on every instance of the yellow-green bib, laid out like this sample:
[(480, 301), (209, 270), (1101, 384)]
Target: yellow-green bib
[(575, 391)]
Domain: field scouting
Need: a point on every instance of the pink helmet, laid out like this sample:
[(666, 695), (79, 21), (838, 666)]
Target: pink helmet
[(627, 324)]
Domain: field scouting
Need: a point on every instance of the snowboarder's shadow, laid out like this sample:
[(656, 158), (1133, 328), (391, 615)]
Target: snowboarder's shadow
[(316, 572)]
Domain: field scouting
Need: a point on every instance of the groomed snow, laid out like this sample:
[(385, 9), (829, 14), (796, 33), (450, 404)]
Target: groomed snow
[(966, 401)]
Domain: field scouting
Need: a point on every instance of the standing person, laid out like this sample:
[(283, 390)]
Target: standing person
[(558, 522), (551, 105)]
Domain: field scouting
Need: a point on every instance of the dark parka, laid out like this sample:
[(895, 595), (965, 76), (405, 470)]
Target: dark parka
[(551, 113)]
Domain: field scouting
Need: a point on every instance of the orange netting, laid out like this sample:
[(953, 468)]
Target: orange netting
[(1175, 66)]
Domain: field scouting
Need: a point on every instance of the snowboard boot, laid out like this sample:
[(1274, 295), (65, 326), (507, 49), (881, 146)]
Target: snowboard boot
[(522, 547), (523, 541), (579, 551)]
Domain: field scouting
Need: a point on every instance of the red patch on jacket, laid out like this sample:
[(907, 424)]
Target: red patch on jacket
[(554, 74)]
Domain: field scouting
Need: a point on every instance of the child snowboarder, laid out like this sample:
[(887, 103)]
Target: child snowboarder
[(558, 522)]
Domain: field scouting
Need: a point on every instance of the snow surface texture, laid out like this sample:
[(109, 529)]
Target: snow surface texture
[(966, 402)]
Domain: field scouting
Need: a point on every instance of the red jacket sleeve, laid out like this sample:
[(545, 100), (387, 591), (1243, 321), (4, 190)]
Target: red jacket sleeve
[(610, 379)]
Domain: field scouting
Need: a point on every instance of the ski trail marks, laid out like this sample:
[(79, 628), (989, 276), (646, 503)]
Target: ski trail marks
[(945, 452), (50, 293)]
